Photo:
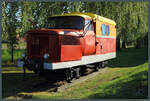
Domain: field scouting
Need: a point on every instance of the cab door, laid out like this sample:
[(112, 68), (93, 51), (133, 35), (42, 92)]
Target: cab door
[(89, 38)]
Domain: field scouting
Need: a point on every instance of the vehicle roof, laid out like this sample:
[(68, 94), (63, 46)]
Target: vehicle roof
[(90, 15)]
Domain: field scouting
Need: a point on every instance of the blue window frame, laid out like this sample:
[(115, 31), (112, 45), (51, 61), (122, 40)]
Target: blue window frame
[(107, 30), (103, 29)]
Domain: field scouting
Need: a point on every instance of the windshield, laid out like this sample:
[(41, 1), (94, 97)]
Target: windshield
[(65, 22)]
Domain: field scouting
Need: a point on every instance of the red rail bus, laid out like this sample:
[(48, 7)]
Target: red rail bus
[(69, 42)]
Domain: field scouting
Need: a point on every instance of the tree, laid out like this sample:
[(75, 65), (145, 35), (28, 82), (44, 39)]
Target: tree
[(10, 24), (4, 31), (131, 17), (28, 12)]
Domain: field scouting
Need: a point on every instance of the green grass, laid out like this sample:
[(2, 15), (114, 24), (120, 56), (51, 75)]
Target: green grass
[(13, 82), (21, 45), (113, 84), (6, 56), (129, 58), (127, 75), (6, 53)]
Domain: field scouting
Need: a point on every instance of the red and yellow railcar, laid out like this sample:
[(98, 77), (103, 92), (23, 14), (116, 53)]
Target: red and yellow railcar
[(69, 42)]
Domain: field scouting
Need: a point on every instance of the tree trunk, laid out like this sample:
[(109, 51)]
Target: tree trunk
[(123, 45), (12, 54), (118, 44), (146, 41), (138, 44)]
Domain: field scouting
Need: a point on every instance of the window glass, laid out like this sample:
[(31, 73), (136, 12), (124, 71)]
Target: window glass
[(65, 22), (107, 29), (88, 25), (103, 29)]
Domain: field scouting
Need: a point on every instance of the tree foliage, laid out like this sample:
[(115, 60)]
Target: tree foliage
[(9, 25), (131, 17)]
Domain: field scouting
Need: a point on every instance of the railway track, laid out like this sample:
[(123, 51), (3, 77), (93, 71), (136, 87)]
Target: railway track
[(60, 85)]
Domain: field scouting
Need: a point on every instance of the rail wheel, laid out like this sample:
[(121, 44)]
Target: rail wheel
[(104, 63), (97, 66), (69, 75), (77, 73)]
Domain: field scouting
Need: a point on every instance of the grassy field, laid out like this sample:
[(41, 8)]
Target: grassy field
[(6, 54), (21, 45), (126, 78)]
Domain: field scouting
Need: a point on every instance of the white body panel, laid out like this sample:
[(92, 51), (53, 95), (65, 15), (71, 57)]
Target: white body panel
[(84, 61)]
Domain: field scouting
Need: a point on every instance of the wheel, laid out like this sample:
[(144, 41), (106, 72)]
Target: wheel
[(97, 66), (83, 70), (103, 64), (106, 63), (69, 75), (69, 79), (77, 73)]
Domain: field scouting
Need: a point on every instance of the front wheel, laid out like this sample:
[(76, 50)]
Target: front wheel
[(96, 68), (69, 75)]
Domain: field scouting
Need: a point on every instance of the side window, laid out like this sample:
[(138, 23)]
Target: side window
[(88, 25), (103, 29), (107, 30)]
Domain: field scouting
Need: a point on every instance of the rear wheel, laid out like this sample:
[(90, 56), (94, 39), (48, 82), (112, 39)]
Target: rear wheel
[(77, 73), (104, 63), (97, 66)]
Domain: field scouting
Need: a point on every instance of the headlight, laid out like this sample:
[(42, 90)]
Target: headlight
[(23, 55), (46, 56)]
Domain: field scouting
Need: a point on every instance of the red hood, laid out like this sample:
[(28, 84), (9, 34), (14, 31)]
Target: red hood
[(57, 31)]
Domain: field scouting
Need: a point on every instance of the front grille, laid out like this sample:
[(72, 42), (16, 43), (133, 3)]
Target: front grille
[(38, 45)]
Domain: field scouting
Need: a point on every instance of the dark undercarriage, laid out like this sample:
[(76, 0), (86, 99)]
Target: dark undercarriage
[(60, 74)]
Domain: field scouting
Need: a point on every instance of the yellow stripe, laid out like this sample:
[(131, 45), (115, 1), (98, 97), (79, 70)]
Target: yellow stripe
[(90, 15), (72, 14)]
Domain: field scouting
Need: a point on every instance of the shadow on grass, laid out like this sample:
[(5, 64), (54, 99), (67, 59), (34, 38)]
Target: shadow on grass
[(13, 84), (129, 57), (136, 88)]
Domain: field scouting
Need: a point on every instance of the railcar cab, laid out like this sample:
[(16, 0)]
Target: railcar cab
[(68, 41), (61, 37)]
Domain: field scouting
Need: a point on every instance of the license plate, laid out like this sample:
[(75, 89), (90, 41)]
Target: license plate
[(20, 63), (47, 66)]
